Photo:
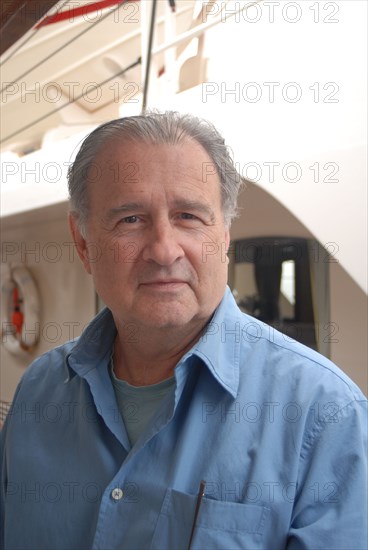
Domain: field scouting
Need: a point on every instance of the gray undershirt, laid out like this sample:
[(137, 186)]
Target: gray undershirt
[(138, 404)]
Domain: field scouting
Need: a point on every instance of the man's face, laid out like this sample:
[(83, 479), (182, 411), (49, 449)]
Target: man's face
[(156, 240)]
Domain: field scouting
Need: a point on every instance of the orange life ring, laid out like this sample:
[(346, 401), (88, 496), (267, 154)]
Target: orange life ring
[(20, 308)]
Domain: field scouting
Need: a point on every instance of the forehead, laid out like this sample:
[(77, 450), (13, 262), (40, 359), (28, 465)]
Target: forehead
[(128, 161)]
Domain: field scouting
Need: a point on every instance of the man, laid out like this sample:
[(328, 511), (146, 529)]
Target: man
[(175, 421)]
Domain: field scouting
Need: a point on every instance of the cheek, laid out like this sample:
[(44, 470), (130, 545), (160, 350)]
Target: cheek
[(125, 253), (103, 265), (112, 252), (215, 255)]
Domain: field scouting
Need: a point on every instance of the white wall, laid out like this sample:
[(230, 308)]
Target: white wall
[(349, 311), (41, 240)]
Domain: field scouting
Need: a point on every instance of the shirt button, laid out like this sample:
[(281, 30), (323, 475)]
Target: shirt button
[(117, 493)]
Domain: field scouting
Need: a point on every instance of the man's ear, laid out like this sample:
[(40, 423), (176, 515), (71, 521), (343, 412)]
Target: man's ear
[(227, 243), (227, 239), (80, 242)]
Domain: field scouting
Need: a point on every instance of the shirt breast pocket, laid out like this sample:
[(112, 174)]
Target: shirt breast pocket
[(220, 525)]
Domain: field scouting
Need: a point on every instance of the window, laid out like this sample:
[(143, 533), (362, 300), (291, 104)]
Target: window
[(274, 280)]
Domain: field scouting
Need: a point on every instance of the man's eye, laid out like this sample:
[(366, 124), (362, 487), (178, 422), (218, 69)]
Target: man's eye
[(130, 219), (187, 216)]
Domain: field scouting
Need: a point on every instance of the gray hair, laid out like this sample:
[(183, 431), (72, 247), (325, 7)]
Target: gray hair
[(155, 128)]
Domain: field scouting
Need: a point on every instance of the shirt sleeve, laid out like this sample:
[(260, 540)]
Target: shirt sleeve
[(2, 500), (330, 509), (3, 469)]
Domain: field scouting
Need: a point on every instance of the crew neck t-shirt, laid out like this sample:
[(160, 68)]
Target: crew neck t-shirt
[(138, 404)]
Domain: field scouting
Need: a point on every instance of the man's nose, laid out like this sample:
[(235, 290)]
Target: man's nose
[(162, 245)]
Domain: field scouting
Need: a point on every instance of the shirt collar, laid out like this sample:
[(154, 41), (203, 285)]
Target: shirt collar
[(218, 347), (93, 346)]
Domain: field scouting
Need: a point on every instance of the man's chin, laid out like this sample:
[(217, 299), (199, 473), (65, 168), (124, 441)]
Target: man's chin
[(165, 322), (165, 319)]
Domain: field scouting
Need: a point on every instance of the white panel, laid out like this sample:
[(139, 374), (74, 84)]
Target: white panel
[(66, 291)]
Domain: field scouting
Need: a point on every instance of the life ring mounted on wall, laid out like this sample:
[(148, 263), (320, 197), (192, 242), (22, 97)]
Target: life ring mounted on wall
[(20, 309)]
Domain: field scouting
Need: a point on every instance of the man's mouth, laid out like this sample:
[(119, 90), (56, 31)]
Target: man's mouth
[(164, 284)]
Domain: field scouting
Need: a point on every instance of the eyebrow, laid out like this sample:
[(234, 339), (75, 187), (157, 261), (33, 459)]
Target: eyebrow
[(181, 204)]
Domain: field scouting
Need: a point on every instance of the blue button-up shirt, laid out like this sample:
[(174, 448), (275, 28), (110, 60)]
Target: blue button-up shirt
[(274, 429)]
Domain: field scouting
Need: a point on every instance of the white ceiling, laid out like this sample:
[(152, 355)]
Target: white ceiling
[(64, 73)]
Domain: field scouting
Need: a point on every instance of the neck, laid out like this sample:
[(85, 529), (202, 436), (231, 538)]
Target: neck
[(148, 356)]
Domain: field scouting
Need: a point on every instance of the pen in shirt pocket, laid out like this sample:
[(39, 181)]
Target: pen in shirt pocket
[(200, 495)]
